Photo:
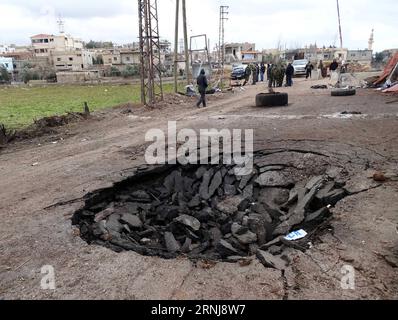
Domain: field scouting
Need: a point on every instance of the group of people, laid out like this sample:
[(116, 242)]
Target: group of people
[(276, 74)]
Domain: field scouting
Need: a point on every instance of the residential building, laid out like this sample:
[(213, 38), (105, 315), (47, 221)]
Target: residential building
[(235, 52), (4, 49), (130, 56), (72, 60), (7, 63), (111, 57), (360, 56), (44, 44)]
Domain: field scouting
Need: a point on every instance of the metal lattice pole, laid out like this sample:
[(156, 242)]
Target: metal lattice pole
[(151, 77)]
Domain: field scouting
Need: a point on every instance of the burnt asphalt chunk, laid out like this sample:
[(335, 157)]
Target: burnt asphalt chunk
[(209, 212)]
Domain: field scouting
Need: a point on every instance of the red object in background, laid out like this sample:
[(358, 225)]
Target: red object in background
[(388, 69)]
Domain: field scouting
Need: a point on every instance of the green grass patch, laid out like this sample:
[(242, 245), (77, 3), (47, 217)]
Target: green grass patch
[(20, 106)]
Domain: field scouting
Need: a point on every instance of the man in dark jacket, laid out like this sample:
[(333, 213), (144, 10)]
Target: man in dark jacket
[(262, 71), (308, 69), (289, 75), (202, 85)]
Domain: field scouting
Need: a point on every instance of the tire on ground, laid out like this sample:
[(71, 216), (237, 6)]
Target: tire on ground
[(272, 99), (343, 92)]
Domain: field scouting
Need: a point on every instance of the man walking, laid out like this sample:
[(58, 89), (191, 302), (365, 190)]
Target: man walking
[(309, 67), (202, 85), (289, 75)]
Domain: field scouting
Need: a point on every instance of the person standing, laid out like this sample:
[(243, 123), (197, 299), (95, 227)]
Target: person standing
[(333, 71), (309, 67), (255, 73), (320, 70), (202, 85), (262, 71), (270, 72), (248, 72), (289, 75)]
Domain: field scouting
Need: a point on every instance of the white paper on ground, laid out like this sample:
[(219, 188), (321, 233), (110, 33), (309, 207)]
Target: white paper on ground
[(296, 235)]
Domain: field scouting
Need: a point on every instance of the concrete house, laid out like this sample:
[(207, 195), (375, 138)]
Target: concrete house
[(72, 60), (44, 44), (360, 56), (235, 52), (7, 63)]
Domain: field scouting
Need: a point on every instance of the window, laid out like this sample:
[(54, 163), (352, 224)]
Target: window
[(115, 59), (58, 59), (127, 58), (70, 59), (51, 40), (42, 51), (46, 41), (6, 64)]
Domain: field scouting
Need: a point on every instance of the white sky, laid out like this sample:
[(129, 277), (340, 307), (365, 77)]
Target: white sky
[(265, 22)]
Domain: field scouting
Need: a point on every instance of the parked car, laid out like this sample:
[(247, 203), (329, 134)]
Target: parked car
[(299, 67), (238, 72)]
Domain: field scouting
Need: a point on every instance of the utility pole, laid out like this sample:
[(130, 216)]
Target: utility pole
[(186, 50), (176, 47), (184, 18), (150, 55), (221, 45), (341, 33)]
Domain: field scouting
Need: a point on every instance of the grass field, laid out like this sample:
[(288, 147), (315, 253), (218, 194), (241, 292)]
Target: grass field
[(19, 106)]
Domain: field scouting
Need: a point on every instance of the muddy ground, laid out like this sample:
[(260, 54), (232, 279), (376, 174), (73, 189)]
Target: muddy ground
[(93, 154)]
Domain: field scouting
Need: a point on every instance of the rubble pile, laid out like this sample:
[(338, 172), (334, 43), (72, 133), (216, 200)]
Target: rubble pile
[(209, 212)]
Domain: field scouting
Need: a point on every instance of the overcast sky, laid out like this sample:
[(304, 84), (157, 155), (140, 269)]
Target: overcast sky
[(265, 22)]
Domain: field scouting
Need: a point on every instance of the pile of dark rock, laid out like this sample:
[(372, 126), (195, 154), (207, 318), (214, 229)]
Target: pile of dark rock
[(209, 212)]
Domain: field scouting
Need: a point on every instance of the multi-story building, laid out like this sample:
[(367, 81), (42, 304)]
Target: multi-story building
[(235, 52), (44, 44)]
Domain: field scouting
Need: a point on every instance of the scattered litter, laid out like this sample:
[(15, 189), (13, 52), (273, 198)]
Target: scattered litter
[(351, 112), (296, 235), (35, 164)]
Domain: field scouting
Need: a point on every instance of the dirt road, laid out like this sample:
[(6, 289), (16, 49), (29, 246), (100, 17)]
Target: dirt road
[(90, 155)]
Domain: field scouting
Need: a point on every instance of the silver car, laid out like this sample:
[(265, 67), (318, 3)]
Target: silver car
[(299, 67)]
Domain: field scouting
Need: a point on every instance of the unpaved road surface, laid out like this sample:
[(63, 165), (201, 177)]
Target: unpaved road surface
[(89, 155)]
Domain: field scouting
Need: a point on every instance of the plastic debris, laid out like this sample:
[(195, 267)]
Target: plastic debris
[(296, 235)]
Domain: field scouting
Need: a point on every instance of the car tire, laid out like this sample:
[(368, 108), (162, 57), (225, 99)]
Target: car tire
[(276, 99), (343, 92)]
